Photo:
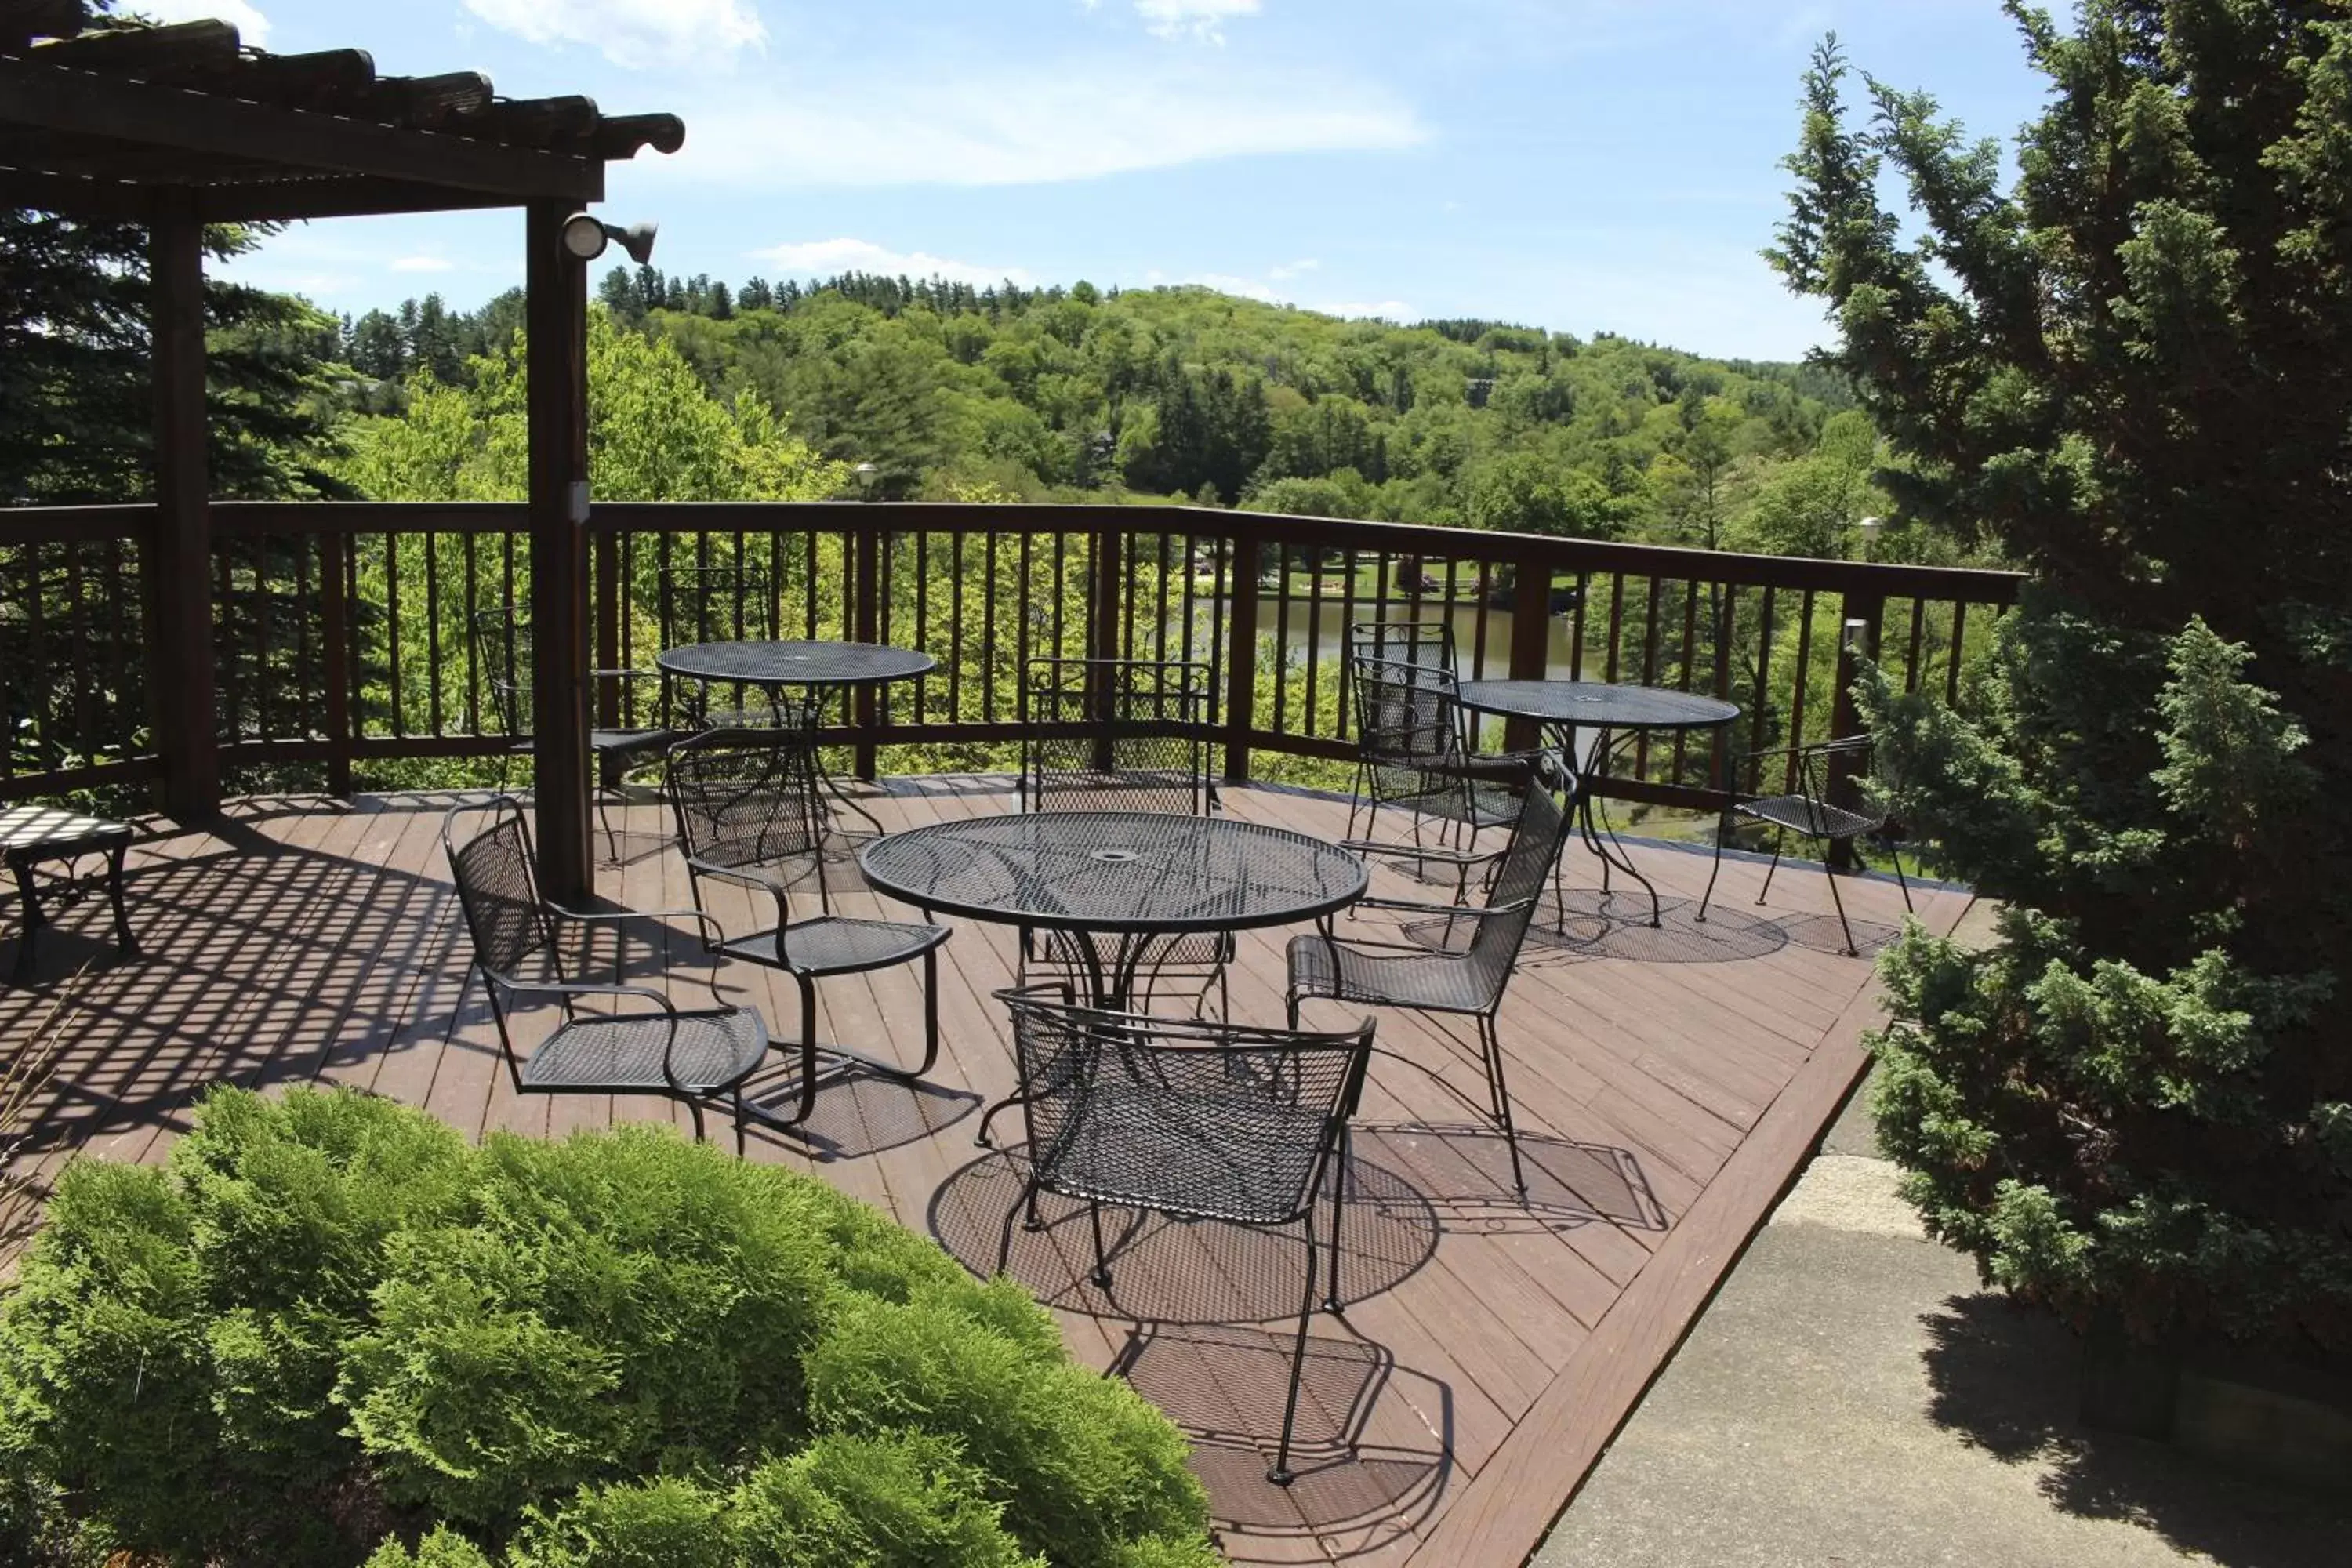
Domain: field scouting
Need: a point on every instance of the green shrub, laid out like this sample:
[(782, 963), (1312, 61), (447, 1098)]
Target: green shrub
[(330, 1325)]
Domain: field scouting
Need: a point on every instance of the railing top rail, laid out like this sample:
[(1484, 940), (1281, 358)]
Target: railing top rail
[(244, 518)]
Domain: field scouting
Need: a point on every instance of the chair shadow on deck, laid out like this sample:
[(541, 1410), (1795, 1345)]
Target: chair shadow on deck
[(1167, 1270), (858, 1111), (1224, 1385), (1585, 922), (1461, 1175)]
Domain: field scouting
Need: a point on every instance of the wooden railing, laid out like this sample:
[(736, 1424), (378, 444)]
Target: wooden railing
[(342, 641)]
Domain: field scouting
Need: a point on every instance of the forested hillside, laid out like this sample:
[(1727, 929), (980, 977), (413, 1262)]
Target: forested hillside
[(1146, 394)]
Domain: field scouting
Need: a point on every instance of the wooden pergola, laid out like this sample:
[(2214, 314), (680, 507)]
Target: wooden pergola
[(180, 126)]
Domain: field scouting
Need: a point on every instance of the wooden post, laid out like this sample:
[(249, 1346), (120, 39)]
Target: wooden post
[(1860, 615), (871, 543), (1531, 641), (555, 316), (179, 556), (1240, 662)]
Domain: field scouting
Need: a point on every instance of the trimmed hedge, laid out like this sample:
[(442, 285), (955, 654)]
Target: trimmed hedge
[(330, 1325)]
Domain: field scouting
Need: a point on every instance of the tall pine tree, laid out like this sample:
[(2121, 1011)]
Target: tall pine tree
[(2132, 368)]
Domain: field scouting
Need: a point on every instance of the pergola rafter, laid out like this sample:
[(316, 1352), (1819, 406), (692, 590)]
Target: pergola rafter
[(179, 126)]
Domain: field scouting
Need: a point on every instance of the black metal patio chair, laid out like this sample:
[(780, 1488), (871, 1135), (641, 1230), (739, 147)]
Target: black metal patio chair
[(1412, 755), (746, 812), (1121, 734), (502, 648), (1197, 1120), (1807, 810), (718, 604), (692, 1055), (1465, 977)]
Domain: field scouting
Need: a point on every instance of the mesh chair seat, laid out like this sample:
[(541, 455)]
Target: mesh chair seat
[(713, 1051), (1436, 981), (1182, 1151), (835, 944), (1463, 795), (1802, 814)]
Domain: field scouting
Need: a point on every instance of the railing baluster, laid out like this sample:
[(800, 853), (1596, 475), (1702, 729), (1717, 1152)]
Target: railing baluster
[(1804, 678)]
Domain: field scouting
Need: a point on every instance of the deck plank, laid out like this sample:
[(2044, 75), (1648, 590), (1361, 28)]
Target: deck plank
[(1664, 1093)]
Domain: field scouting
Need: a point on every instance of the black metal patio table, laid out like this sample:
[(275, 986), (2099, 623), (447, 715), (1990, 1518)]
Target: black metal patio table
[(821, 668), (1110, 884), (1614, 713)]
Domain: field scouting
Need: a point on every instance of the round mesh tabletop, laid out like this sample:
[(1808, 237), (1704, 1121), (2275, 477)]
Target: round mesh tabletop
[(1598, 705), (1114, 871), (795, 663)]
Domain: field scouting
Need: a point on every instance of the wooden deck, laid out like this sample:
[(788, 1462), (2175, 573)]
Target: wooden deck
[(1669, 1083)]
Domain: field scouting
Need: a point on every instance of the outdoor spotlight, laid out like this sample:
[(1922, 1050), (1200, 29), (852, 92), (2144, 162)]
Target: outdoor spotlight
[(585, 236)]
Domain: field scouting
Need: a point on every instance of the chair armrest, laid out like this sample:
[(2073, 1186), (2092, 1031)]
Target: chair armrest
[(608, 917), (581, 988), (1421, 852), (1414, 906), (626, 674)]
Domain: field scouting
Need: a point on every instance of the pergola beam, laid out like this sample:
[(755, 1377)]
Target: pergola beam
[(336, 195), (89, 104)]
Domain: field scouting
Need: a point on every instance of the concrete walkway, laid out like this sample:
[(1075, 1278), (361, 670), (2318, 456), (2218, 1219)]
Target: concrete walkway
[(1855, 1399)]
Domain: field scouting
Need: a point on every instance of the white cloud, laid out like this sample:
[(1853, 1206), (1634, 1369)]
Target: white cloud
[(1068, 122), (829, 257), (1292, 269), (421, 264), (1203, 19), (633, 32), (252, 26)]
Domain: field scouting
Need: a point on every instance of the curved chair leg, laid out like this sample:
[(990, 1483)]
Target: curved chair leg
[(1837, 900), (1501, 1091), (694, 1108), (1894, 853), (1779, 841), (129, 944), (1102, 1262), (1338, 1210), (739, 1147), (1722, 831), (808, 1050), (1027, 1199), (1279, 1472)]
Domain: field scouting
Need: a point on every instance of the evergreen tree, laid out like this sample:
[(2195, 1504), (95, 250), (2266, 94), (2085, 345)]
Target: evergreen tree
[(376, 348), (2132, 368), (76, 400)]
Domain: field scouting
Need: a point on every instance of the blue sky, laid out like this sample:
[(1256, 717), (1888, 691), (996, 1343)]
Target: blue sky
[(1578, 165)]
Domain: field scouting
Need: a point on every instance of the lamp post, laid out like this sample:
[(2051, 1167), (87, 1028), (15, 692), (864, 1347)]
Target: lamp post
[(1869, 527)]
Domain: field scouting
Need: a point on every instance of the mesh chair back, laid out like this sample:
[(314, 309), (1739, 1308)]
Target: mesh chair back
[(504, 916), (1841, 773), (1406, 713), (1154, 755), (715, 604), (746, 797), (503, 653), (1186, 1117), (1536, 836), (1429, 644)]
